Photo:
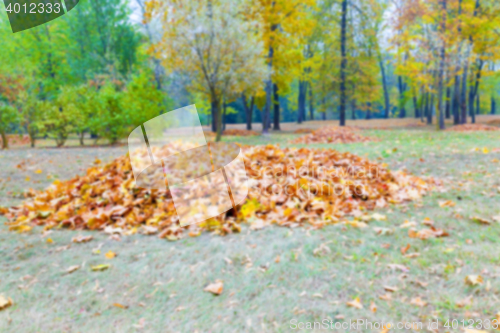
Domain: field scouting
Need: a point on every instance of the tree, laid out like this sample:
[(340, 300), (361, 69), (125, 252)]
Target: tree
[(215, 44)]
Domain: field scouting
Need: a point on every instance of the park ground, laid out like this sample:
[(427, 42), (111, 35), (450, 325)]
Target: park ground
[(271, 276)]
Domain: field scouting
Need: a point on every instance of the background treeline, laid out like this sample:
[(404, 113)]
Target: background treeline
[(109, 65)]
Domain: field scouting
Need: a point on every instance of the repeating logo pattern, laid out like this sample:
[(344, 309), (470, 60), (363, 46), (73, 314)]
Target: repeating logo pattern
[(170, 152)]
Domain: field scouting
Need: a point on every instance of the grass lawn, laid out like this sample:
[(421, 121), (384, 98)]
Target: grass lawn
[(154, 285)]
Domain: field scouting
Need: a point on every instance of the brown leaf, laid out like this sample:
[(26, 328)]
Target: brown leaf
[(418, 302), (82, 239), (72, 269), (356, 303), (481, 220), (215, 288), (464, 302), (405, 249)]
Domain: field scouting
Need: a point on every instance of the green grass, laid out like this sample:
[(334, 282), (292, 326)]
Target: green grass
[(155, 277)]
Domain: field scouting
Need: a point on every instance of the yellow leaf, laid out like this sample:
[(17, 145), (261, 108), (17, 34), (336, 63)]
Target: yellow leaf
[(110, 255), (38, 171), (121, 306), (49, 240), (5, 302), (27, 179), (102, 267), (20, 228), (473, 280), (485, 150)]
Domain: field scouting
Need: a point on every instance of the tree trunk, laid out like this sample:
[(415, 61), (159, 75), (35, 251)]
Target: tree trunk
[(217, 116), (302, 101), (493, 105), (5, 140), (343, 62), (81, 136), (478, 104), (224, 117), (402, 102), (448, 103), (214, 115), (474, 90), (431, 110), (416, 104), (426, 109), (441, 104), (311, 102), (368, 111), (353, 107), (456, 101), (386, 90), (248, 110), (276, 108), (269, 95)]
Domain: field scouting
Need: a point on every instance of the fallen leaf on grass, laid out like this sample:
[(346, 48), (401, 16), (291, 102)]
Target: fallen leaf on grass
[(82, 239), (49, 241), (405, 249), (427, 233), (317, 295), (38, 171), (215, 288), (480, 220), (379, 217), (5, 302), (98, 268), (321, 250), (373, 307), (464, 302), (386, 297), (473, 280), (121, 306), (356, 303), (399, 267), (408, 224), (383, 231), (110, 255), (412, 255), (447, 203), (390, 289), (72, 269), (356, 224), (418, 302), (20, 228)]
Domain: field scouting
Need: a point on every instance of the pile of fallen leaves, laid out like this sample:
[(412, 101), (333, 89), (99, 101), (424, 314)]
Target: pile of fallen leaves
[(333, 134), (17, 140), (234, 132), (473, 128), (240, 132), (288, 187), (304, 131)]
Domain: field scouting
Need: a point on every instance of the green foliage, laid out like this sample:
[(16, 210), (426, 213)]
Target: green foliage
[(142, 100), (9, 116)]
